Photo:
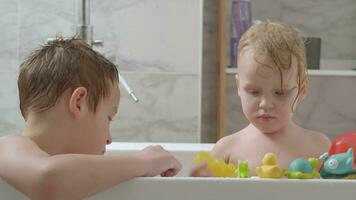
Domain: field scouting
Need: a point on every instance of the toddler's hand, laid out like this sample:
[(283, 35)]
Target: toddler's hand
[(201, 171), (159, 162)]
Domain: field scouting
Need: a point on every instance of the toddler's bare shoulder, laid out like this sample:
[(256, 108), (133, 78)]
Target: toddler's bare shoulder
[(319, 139), (318, 135), (231, 139), (225, 145)]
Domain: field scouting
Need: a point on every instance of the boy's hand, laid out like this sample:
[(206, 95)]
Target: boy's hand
[(201, 171), (158, 161)]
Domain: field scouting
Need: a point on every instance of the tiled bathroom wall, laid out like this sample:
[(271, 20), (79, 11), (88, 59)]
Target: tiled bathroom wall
[(156, 44), (9, 117), (8, 64), (8, 39), (332, 21)]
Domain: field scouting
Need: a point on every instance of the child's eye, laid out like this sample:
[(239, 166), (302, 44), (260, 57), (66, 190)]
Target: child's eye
[(253, 92), (110, 118), (279, 93)]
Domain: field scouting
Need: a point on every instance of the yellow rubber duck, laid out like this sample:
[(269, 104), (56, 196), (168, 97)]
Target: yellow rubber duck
[(269, 169)]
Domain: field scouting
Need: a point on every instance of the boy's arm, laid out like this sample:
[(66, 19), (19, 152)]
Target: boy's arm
[(75, 176)]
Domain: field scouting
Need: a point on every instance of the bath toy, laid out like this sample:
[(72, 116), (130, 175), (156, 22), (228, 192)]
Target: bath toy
[(203, 157), (269, 168), (342, 143), (217, 167), (338, 165), (303, 169), (242, 170)]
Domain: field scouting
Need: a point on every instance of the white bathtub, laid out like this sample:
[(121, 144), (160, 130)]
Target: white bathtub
[(182, 187)]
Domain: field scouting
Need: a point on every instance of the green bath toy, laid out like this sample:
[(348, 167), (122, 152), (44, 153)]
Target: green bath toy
[(242, 171), (303, 169)]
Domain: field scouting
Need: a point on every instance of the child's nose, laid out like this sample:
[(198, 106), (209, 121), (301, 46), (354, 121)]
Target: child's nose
[(266, 103)]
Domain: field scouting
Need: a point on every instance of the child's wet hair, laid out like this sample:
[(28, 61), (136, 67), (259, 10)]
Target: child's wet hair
[(60, 65), (280, 42)]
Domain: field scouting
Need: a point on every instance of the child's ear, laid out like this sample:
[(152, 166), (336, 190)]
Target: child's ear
[(78, 100), (237, 79), (303, 90)]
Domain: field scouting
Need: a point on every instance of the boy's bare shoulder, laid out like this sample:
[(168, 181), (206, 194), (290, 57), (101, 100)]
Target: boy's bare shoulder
[(16, 154), (17, 144), (14, 139)]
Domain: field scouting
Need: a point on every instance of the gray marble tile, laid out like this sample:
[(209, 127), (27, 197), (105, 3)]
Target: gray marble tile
[(235, 118), (135, 34), (41, 19), (167, 110), (151, 35), (9, 108), (9, 33), (329, 106), (333, 21)]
